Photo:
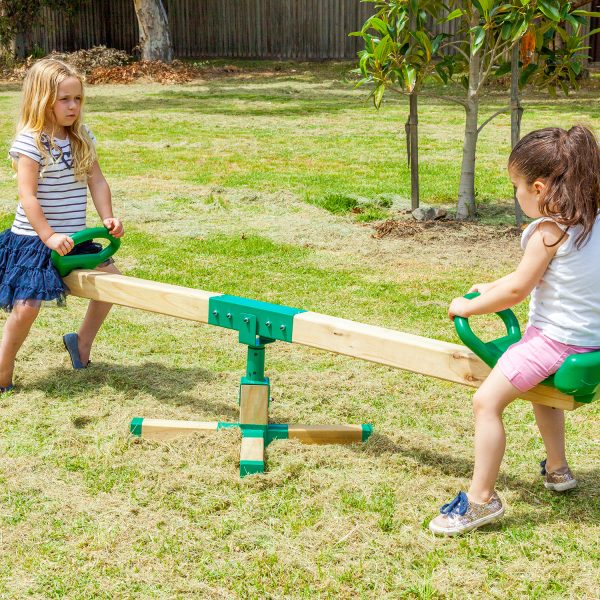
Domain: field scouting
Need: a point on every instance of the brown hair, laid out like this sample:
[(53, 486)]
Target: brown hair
[(569, 162)]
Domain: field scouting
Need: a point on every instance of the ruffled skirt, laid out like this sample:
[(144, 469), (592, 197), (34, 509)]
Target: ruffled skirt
[(27, 273)]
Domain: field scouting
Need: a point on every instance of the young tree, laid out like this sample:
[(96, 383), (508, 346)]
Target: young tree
[(398, 55), (522, 57), (491, 29), (155, 38), (488, 31)]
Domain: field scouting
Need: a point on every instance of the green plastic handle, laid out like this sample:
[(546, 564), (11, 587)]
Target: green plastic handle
[(489, 352), (65, 264)]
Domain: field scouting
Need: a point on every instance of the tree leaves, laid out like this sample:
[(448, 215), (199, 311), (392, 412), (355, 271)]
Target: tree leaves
[(550, 8), (477, 38), (402, 46)]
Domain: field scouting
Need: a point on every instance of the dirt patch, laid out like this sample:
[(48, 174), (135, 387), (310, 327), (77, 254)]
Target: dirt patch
[(176, 72), (85, 61), (443, 229), (148, 71)]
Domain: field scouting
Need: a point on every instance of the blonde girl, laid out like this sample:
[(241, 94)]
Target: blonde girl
[(55, 160)]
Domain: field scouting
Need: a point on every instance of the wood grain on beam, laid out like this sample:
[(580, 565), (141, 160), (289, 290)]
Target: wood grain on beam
[(163, 298), (425, 356)]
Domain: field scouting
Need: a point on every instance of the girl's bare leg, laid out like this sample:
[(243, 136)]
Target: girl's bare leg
[(490, 400), (551, 423), (94, 317), (16, 329)]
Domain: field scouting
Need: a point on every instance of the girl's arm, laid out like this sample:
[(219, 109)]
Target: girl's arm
[(483, 288), (512, 289), (102, 199), (28, 171)]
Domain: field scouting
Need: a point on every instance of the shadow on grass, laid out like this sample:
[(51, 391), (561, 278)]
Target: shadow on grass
[(169, 385), (580, 505)]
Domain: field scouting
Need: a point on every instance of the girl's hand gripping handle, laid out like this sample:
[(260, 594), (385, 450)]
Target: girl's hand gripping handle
[(65, 264), (489, 352)]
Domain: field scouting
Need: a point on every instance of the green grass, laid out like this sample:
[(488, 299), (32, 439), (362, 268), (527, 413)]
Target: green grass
[(263, 186)]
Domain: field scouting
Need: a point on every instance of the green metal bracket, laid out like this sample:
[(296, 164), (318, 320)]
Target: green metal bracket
[(249, 467), (252, 318), (276, 431), (135, 428)]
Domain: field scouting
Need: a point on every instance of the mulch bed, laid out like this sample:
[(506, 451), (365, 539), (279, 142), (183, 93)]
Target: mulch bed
[(408, 228)]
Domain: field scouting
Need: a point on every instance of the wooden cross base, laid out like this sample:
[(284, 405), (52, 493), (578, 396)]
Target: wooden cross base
[(257, 433)]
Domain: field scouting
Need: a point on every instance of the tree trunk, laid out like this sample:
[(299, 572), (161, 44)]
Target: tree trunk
[(155, 38), (516, 113), (413, 150), (413, 132), (466, 189)]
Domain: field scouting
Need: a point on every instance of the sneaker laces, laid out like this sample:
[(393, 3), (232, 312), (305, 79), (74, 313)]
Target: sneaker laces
[(459, 505)]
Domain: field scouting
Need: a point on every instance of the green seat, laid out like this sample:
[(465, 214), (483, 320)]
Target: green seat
[(578, 376)]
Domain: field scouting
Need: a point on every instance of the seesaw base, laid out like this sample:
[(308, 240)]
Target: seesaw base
[(257, 432), (255, 438)]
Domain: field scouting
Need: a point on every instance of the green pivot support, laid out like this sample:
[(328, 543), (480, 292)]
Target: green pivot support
[(258, 324), (257, 432)]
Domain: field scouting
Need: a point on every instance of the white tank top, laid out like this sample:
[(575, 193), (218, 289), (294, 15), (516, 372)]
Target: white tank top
[(565, 304)]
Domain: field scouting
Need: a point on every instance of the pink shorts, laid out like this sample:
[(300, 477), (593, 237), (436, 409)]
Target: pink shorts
[(534, 358)]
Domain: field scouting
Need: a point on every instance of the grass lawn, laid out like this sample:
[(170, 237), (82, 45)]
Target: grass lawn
[(244, 184)]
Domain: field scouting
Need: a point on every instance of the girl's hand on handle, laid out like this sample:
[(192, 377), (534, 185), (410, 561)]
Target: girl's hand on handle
[(114, 226), (459, 307), (60, 242)]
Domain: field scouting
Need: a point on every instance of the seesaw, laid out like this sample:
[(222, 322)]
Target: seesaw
[(261, 323)]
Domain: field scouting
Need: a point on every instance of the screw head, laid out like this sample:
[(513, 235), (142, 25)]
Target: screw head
[(282, 327), (268, 323), (229, 315), (215, 312), (246, 320)]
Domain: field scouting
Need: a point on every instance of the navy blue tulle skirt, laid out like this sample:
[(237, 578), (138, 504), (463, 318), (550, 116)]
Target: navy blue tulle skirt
[(27, 273)]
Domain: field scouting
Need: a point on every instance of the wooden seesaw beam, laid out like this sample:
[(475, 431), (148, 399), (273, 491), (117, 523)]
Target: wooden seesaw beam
[(406, 351)]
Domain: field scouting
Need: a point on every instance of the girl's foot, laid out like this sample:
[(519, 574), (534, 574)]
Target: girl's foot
[(461, 515), (71, 342), (560, 480)]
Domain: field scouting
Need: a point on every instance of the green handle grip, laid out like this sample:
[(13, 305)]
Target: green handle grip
[(489, 352), (65, 264)]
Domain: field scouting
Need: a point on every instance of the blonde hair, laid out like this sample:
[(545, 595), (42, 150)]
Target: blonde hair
[(40, 90)]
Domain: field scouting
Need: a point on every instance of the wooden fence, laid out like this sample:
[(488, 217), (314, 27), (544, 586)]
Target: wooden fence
[(275, 29), (294, 29)]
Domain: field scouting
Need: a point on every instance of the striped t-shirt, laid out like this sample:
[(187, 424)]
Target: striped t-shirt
[(63, 199)]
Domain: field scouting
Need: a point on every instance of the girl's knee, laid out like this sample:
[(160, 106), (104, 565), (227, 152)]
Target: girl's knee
[(484, 402), (25, 311)]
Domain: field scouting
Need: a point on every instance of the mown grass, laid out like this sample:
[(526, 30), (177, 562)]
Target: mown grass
[(245, 185)]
